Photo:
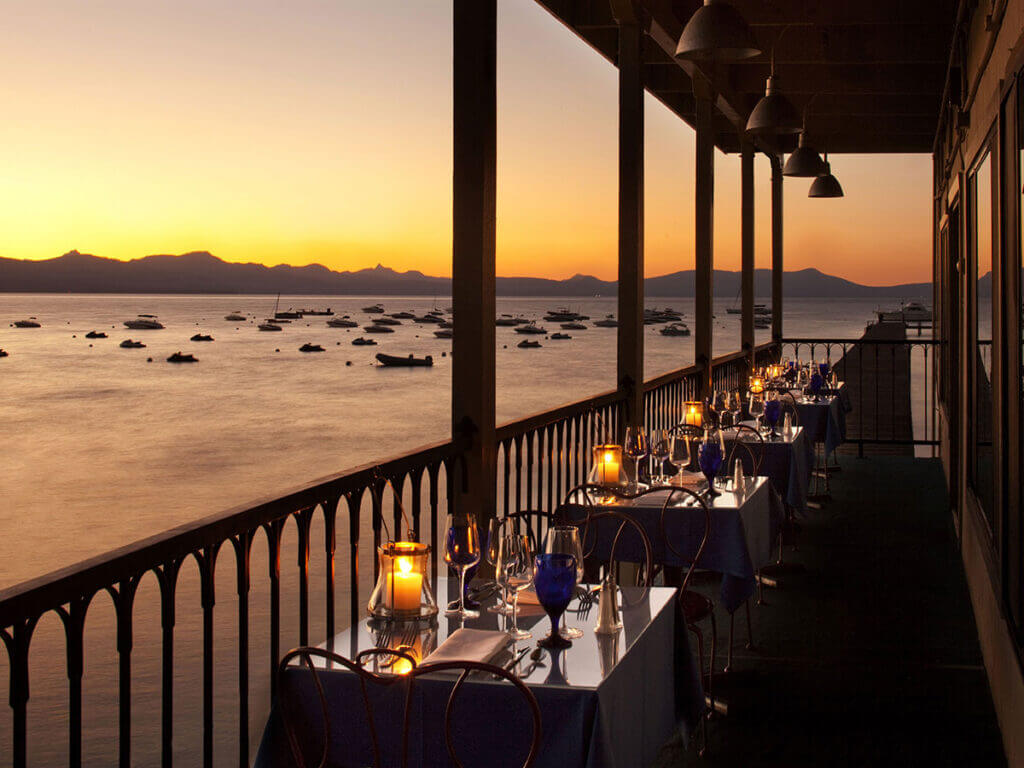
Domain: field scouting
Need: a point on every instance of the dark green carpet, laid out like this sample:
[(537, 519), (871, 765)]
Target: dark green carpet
[(868, 657)]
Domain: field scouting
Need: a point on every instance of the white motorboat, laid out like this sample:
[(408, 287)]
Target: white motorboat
[(269, 325), (342, 322), (144, 323), (675, 329), (531, 327)]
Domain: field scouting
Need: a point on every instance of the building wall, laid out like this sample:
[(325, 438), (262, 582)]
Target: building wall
[(990, 62)]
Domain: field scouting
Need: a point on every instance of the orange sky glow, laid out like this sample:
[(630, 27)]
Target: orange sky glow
[(320, 131)]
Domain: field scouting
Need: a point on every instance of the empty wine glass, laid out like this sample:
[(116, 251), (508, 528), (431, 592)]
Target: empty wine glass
[(462, 551), (679, 451), (756, 408), (636, 449), (565, 539), (659, 453), (495, 530), (514, 569)]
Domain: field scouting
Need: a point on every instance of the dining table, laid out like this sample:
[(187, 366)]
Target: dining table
[(788, 458), (607, 701), (744, 526), (824, 418)]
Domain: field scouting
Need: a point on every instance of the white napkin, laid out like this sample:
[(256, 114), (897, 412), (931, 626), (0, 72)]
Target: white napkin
[(470, 645), (687, 479)]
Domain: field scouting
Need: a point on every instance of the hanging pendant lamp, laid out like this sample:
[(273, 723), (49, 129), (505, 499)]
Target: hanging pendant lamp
[(826, 185), (774, 115), (717, 32), (803, 161)]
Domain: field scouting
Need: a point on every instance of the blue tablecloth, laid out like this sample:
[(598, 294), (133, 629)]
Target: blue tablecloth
[(825, 422), (787, 463), (743, 530), (605, 702)]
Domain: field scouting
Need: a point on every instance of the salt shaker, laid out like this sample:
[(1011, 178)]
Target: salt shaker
[(737, 475)]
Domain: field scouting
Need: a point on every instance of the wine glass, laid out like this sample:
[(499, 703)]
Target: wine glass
[(495, 529), (636, 449), (756, 409), (565, 539), (679, 451), (462, 551), (554, 578), (815, 385), (710, 458), (514, 568), (772, 411), (659, 453), (737, 407)]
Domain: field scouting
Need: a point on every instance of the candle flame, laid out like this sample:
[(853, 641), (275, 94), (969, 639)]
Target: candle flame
[(404, 564), (608, 457)]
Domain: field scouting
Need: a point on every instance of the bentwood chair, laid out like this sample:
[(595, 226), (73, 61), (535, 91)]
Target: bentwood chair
[(745, 443), (408, 681)]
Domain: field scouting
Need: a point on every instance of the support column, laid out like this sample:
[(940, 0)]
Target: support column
[(776, 248), (630, 357), (747, 251), (473, 198), (704, 235)]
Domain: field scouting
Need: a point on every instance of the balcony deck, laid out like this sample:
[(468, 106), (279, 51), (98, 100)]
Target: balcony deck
[(870, 656)]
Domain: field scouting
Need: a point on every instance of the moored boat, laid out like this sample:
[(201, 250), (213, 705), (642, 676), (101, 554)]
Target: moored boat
[(574, 326), (560, 336), (361, 342), (376, 309), (130, 344), (178, 357), (307, 347), (378, 329), (402, 315), (342, 322), (608, 322), (393, 361), (269, 325), (675, 329), (527, 344), (531, 328), (95, 335), (235, 317), (30, 323), (144, 323), (444, 333), (386, 321), (201, 337)]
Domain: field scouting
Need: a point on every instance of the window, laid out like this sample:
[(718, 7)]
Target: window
[(980, 462)]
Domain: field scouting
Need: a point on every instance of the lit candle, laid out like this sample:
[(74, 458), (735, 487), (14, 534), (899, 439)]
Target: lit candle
[(607, 464), (404, 586), (694, 415), (756, 385)]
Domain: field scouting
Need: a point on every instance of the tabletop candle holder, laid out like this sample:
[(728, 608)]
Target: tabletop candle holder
[(607, 465), (756, 385), (403, 589), (693, 413)]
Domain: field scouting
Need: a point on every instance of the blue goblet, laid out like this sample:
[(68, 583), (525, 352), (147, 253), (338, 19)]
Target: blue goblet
[(823, 370), (710, 458), (815, 386), (554, 578), (772, 411)]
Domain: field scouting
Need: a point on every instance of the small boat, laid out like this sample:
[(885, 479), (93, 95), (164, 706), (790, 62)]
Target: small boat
[(562, 314), (734, 311), (762, 322), (608, 322), (444, 333), (316, 312), (574, 326), (378, 329), (531, 327), (144, 323), (428, 318), (342, 322), (376, 309), (95, 335), (527, 344), (30, 323), (390, 361), (307, 347), (129, 344), (361, 342), (287, 315), (177, 357), (675, 329), (509, 320), (402, 315), (916, 312), (446, 324), (4, 353), (560, 336), (386, 321), (235, 317), (761, 309), (201, 337), (269, 325)]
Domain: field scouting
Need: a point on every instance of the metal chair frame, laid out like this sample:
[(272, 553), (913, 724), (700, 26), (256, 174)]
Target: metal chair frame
[(306, 654)]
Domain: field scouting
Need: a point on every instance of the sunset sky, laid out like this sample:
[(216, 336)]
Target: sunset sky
[(320, 131)]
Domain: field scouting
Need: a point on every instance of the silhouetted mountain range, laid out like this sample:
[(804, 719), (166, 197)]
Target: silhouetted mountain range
[(201, 272)]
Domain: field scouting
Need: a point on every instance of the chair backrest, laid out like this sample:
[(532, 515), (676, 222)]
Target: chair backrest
[(745, 443), (535, 521), (366, 677), (789, 405), (699, 500)]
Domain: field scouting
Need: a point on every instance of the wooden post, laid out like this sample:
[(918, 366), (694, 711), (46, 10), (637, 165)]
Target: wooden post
[(630, 355), (473, 198), (704, 233), (747, 251), (776, 248)]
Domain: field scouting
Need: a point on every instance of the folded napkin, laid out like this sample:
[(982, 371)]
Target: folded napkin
[(470, 645), (687, 479)]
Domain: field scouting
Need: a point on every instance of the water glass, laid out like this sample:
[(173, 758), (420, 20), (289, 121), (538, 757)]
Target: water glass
[(756, 407), (636, 449), (462, 551), (710, 459), (565, 539), (495, 530), (554, 578), (659, 453), (514, 569), (679, 451)]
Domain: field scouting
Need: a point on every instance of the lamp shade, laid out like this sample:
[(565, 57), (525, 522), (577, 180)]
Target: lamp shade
[(774, 115), (826, 185), (717, 32), (804, 162)]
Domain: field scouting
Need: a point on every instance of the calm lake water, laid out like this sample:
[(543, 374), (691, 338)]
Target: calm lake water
[(102, 448)]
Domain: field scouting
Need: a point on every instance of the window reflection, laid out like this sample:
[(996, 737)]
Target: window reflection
[(981, 390)]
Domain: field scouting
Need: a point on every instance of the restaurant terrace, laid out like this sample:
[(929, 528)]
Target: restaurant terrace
[(799, 553)]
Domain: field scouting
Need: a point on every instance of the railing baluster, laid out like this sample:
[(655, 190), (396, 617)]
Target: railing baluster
[(330, 508), (17, 643), (207, 563), (304, 519), (274, 529), (243, 548), (74, 630), (167, 578), (354, 502)]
